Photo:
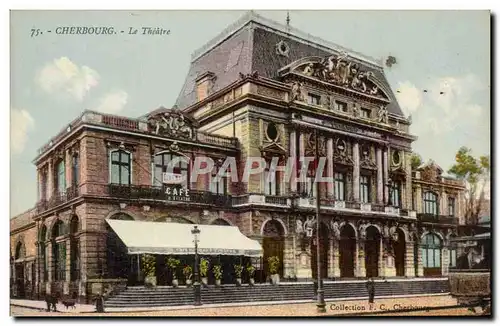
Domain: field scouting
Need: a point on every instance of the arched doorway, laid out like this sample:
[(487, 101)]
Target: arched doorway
[(400, 253), (372, 251), (347, 248), (59, 252), (43, 256), (20, 253), (273, 245), (75, 248), (324, 247), (431, 254)]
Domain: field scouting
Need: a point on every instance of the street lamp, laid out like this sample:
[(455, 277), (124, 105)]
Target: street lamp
[(197, 288), (321, 305)]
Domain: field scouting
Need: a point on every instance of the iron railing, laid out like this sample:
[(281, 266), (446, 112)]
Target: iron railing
[(58, 198), (277, 200), (441, 219)]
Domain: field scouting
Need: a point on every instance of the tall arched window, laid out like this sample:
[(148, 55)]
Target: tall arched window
[(120, 167), (75, 170), (75, 249), (430, 203), (43, 254), (431, 254), (59, 251), (20, 251), (61, 177), (179, 165)]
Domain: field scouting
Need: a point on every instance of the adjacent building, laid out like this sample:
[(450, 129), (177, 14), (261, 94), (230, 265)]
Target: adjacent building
[(259, 89)]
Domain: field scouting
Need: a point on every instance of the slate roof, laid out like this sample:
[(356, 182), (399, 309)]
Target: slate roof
[(249, 45)]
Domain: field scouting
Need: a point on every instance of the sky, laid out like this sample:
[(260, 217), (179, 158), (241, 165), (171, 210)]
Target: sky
[(441, 78)]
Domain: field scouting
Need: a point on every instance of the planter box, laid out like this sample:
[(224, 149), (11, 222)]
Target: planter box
[(275, 279), (150, 281)]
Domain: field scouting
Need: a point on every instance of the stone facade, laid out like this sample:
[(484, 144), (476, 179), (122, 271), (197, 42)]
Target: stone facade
[(369, 220)]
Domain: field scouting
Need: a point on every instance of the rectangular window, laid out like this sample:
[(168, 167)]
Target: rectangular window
[(451, 206), (430, 258), (310, 187), (179, 165), (365, 113), (424, 257), (314, 99), (218, 186), (339, 188), (271, 186), (120, 168), (437, 257), (364, 189), (396, 194), (453, 258), (341, 106)]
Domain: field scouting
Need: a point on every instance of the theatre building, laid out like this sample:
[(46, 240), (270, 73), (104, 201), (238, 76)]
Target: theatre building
[(259, 89)]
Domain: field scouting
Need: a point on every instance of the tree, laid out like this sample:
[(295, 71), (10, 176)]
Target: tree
[(475, 172), (416, 161)]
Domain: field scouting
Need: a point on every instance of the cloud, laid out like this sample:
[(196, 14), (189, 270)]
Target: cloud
[(21, 124), (64, 76), (409, 97), (112, 102)]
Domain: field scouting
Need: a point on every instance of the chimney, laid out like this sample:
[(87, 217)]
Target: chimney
[(204, 84)]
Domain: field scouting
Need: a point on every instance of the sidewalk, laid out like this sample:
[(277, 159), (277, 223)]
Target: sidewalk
[(42, 305)]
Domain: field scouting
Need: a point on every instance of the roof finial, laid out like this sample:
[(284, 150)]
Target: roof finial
[(288, 19)]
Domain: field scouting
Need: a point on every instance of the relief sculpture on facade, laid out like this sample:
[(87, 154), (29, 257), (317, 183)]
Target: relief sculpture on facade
[(172, 124), (339, 70)]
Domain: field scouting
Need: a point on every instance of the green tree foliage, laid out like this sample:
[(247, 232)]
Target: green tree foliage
[(416, 161), (475, 172)]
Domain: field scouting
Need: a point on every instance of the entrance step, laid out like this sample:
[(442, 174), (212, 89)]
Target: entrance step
[(168, 296)]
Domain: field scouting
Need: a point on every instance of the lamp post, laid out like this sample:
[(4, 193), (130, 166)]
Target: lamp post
[(321, 305), (197, 288)]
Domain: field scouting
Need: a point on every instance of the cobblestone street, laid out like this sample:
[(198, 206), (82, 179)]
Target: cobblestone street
[(304, 309)]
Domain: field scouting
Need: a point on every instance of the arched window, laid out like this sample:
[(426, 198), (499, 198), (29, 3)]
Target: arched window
[(179, 165), (61, 177), (396, 194), (431, 251), (20, 251), (120, 167), (43, 253), (59, 251), (75, 170), (430, 203), (75, 249)]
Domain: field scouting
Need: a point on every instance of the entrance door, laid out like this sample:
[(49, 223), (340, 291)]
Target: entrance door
[(274, 244), (372, 251), (347, 248), (399, 252), (20, 280), (324, 246)]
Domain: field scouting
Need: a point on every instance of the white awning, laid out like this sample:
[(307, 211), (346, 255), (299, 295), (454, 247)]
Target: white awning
[(176, 239)]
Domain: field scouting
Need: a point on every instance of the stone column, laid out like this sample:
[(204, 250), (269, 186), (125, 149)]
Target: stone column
[(355, 171), (331, 262), (288, 257), (68, 267), (380, 182), (50, 267), (386, 175), (443, 204), (336, 258), (68, 164), (445, 261), (389, 263), (382, 259), (329, 150), (302, 150), (359, 263), (293, 154), (409, 260), (418, 200), (420, 266)]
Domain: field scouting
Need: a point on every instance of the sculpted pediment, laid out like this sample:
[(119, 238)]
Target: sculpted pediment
[(172, 123), (431, 172), (339, 70)]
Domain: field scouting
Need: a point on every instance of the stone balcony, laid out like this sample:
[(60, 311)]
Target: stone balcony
[(57, 198), (439, 219)]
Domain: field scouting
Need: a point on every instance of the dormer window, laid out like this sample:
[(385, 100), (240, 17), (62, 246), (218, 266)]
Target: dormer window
[(313, 99)]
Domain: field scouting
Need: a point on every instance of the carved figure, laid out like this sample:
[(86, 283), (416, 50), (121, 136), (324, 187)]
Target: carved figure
[(335, 229), (297, 94), (299, 229), (355, 111), (172, 124), (393, 233), (385, 231), (374, 90), (362, 230), (383, 115), (308, 70), (309, 224)]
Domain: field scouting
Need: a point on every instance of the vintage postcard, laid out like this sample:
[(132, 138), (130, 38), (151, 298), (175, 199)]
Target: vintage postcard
[(250, 163)]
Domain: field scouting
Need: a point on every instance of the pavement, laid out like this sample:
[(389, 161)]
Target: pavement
[(424, 305)]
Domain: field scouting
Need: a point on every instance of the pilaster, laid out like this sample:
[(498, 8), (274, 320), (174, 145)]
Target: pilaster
[(329, 149), (359, 263), (336, 258), (355, 173), (380, 176), (409, 260), (386, 175), (293, 154)]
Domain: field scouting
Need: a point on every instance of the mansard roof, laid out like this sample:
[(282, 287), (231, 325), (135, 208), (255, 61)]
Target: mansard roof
[(252, 44)]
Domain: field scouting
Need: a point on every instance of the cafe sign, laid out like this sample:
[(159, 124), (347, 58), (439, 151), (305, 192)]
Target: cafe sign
[(172, 178)]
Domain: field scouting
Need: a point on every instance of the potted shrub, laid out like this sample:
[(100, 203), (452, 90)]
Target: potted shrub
[(204, 271), (217, 270), (238, 269), (188, 273), (251, 273), (172, 264), (149, 270), (273, 263)]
